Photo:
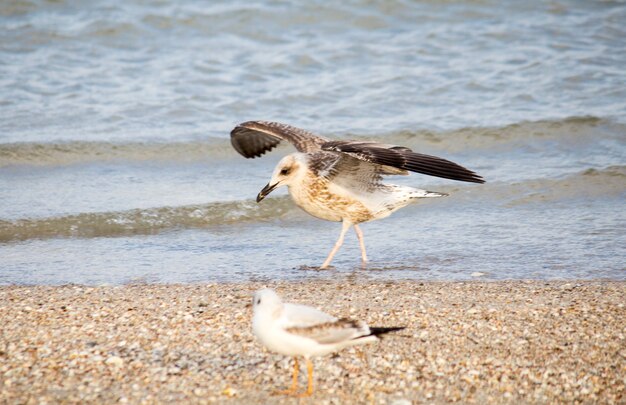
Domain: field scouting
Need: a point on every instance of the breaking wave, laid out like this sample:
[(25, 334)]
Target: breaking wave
[(143, 221), (67, 153), (589, 183), (566, 130)]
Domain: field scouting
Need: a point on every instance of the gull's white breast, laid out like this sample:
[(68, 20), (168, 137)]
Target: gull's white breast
[(273, 336)]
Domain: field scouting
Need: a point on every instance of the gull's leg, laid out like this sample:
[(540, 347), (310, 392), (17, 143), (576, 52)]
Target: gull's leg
[(344, 228), (309, 388), (359, 235), (294, 382)]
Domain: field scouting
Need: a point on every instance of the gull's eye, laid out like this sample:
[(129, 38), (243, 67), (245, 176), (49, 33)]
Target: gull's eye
[(285, 171), (258, 301)]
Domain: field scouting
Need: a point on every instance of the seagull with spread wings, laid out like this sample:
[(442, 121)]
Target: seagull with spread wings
[(342, 180)]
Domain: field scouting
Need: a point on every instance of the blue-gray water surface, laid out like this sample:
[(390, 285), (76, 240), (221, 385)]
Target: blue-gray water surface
[(116, 164)]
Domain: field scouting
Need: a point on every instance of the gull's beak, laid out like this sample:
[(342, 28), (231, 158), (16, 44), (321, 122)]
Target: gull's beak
[(266, 190)]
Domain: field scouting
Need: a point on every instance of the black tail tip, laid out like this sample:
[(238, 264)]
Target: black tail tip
[(381, 331)]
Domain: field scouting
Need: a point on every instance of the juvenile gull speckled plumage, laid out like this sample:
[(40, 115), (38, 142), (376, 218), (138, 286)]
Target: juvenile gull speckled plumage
[(300, 330), (342, 180)]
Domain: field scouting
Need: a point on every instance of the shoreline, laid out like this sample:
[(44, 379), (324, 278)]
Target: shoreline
[(469, 341)]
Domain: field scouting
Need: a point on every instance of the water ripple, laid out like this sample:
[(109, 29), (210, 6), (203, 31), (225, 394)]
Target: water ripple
[(113, 70)]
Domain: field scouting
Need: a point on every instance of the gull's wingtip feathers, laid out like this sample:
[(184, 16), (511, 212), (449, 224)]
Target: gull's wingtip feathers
[(379, 331), (403, 158)]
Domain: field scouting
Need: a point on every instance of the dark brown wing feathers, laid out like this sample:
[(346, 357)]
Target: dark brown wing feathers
[(403, 158), (253, 138), (251, 143)]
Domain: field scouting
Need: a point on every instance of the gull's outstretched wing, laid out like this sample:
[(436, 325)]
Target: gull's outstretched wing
[(402, 158), (253, 138)]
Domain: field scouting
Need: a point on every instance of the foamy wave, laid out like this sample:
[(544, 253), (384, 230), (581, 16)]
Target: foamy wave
[(465, 139), (67, 153), (143, 221), (589, 183), (516, 135)]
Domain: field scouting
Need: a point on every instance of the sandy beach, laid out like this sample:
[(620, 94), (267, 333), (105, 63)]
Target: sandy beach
[(468, 342)]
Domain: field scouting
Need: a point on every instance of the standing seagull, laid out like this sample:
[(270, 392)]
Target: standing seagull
[(342, 180), (299, 330)]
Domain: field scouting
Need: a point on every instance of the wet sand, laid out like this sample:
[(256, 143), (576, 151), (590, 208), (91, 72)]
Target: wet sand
[(472, 342)]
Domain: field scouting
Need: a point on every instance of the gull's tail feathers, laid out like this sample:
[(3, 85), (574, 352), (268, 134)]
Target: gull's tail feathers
[(374, 334), (377, 331), (404, 193), (417, 193)]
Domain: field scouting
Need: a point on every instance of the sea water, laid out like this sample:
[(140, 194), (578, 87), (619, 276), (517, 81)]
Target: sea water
[(116, 164)]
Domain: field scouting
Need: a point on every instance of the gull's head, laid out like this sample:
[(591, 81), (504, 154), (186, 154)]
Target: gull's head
[(285, 172), (266, 300)]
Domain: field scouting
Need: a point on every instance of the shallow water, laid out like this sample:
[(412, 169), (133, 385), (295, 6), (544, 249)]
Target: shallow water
[(115, 163)]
